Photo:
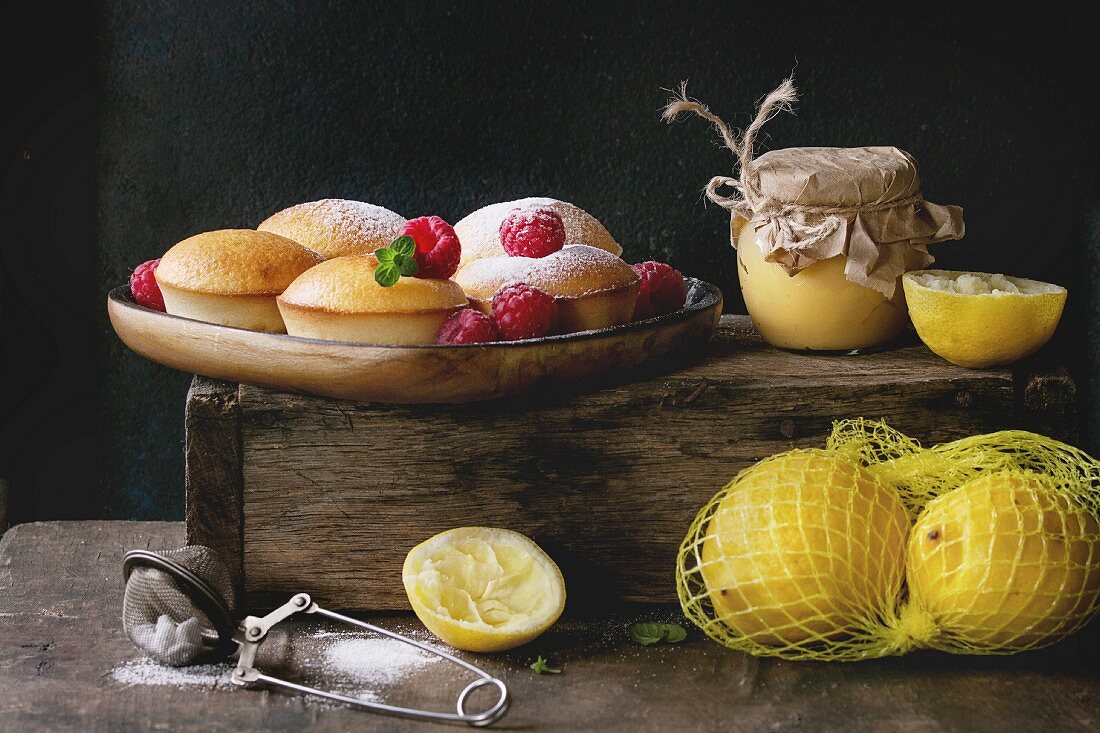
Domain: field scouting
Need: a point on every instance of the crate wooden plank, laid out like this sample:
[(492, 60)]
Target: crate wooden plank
[(212, 452), (332, 494)]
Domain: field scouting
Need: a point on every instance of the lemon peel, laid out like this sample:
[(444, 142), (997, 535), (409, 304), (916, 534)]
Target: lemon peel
[(979, 320)]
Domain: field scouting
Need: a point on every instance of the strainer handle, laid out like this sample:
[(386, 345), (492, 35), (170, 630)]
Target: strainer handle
[(254, 629)]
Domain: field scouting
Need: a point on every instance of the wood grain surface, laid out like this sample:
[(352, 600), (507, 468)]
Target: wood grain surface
[(61, 637), (606, 478), (212, 453), (408, 374)]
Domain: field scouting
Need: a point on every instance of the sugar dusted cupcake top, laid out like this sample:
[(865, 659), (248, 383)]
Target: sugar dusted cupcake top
[(479, 232), (575, 270), (336, 227)]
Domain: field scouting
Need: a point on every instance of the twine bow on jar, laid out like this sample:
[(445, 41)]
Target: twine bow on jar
[(809, 204), (749, 202)]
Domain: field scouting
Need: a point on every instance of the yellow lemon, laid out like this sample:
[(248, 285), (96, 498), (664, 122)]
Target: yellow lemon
[(1004, 562), (483, 589), (975, 319), (803, 546)]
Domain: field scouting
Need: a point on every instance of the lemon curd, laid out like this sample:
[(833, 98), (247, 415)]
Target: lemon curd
[(817, 308)]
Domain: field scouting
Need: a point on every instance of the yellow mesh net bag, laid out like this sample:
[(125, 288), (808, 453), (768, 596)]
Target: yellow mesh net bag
[(876, 545)]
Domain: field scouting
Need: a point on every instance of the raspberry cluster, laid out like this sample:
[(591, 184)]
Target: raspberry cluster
[(519, 311)]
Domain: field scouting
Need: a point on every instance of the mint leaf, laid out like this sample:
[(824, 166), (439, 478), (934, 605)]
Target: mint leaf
[(403, 245), (541, 666), (386, 274), (405, 264), (396, 261), (648, 634), (674, 633)]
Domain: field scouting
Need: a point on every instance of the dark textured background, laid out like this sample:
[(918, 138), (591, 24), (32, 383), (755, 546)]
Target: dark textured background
[(137, 124)]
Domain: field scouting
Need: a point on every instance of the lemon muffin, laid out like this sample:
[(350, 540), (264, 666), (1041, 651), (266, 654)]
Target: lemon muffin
[(231, 277), (336, 227), (593, 288), (339, 300), (479, 232)]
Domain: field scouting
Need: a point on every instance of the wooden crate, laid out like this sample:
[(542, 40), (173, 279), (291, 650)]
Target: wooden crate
[(318, 495)]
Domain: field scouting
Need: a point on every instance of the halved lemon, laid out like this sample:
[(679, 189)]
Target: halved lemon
[(483, 589), (978, 319)]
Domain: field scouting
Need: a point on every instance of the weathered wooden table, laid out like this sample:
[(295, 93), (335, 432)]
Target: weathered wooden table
[(61, 639)]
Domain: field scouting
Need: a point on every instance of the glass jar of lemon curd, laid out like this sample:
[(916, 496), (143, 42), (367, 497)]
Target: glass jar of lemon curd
[(821, 258), (823, 235), (815, 308)]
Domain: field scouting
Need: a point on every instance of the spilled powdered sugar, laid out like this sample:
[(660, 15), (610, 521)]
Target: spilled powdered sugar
[(149, 672), (371, 661), (347, 663)]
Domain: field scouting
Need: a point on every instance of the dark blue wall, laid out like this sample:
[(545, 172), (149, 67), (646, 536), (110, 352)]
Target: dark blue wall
[(214, 115)]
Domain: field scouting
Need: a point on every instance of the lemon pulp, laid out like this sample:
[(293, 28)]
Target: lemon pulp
[(483, 589)]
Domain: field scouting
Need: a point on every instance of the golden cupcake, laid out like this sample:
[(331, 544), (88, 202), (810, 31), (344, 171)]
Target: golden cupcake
[(340, 300), (479, 232), (336, 227), (231, 277), (593, 288)]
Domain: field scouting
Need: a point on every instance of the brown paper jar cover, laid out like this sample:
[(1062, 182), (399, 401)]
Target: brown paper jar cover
[(865, 203)]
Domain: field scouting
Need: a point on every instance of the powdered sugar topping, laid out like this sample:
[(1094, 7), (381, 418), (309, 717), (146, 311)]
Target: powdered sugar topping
[(483, 225), (366, 221), (558, 274), (479, 232), (335, 227)]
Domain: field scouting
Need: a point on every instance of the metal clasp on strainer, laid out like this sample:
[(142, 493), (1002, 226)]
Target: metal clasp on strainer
[(254, 628), (178, 608)]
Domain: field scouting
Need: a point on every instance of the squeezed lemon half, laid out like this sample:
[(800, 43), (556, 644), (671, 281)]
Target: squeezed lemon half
[(483, 589), (978, 319)]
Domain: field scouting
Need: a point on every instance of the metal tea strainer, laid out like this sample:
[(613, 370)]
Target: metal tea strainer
[(180, 609)]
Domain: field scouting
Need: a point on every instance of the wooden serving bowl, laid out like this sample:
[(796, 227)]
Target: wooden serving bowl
[(407, 374)]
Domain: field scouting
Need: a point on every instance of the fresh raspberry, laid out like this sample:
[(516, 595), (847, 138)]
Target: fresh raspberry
[(467, 326), (532, 232), (524, 312), (661, 290), (437, 247), (144, 288)]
